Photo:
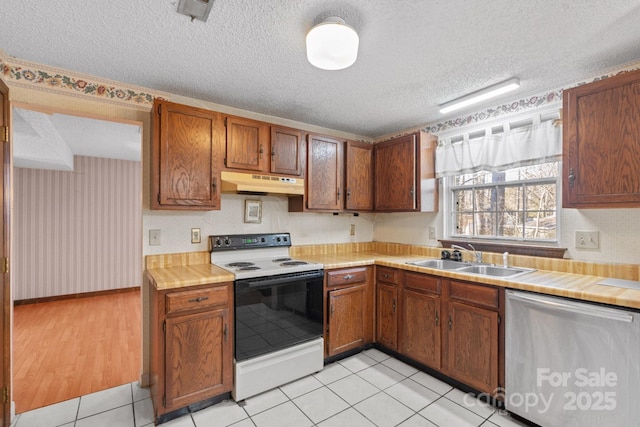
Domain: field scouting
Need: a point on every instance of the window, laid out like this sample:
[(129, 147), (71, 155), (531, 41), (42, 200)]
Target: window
[(518, 203)]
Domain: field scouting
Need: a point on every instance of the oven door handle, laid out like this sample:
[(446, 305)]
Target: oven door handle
[(248, 283)]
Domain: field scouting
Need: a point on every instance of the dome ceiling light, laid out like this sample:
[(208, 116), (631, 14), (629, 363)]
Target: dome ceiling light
[(332, 44)]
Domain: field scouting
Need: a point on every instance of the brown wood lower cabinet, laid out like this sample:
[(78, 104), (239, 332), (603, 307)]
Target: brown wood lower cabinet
[(387, 280), (474, 335), (448, 325), (191, 345), (349, 317), (421, 313)]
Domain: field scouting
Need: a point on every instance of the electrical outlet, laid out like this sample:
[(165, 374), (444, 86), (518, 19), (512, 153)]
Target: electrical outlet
[(587, 239), (154, 237), (195, 235), (352, 230), (432, 233)]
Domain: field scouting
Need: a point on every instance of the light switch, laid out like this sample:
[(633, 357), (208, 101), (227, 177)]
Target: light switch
[(587, 239)]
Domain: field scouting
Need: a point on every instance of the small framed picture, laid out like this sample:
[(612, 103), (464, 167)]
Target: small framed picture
[(253, 211)]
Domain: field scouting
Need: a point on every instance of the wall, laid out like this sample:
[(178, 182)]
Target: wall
[(305, 228), (618, 228), (77, 231)]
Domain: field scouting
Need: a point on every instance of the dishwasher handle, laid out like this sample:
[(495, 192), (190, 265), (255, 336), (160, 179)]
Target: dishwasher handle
[(572, 307)]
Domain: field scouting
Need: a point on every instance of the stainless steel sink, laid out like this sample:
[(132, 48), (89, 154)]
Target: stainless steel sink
[(496, 271), (472, 268), (441, 264)]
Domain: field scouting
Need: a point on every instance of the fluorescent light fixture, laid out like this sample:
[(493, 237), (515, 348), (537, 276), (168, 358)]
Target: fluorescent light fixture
[(332, 44), (481, 95)]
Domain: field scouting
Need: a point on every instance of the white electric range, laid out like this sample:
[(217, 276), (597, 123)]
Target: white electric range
[(278, 304)]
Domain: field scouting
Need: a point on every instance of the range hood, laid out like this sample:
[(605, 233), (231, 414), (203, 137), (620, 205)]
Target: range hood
[(237, 182)]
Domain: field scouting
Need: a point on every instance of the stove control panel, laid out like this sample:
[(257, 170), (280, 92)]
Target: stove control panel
[(248, 241)]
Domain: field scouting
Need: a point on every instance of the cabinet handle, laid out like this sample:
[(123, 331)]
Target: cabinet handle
[(338, 194), (225, 332), (331, 310), (261, 151), (273, 152), (411, 191), (214, 183), (199, 299), (437, 318), (450, 322), (572, 177), (348, 276), (385, 276), (348, 194), (393, 306)]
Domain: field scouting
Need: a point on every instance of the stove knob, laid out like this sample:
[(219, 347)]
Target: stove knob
[(227, 241), (218, 242), (278, 239), (285, 238), (262, 239)]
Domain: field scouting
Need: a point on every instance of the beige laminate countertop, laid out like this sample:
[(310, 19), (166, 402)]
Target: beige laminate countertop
[(578, 286), (188, 275)]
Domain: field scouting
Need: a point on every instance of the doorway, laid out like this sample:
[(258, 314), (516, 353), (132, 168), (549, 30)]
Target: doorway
[(76, 249)]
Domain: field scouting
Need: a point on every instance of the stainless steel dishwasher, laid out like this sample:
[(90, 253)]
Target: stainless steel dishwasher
[(571, 363)]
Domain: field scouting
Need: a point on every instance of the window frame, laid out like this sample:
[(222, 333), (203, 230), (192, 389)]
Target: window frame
[(449, 188)]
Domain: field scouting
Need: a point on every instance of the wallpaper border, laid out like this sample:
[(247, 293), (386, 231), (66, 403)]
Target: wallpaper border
[(43, 77)]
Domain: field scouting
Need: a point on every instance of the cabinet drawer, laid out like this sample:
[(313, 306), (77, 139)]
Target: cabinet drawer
[(346, 276), (388, 275), (422, 282), (196, 299), (475, 294)]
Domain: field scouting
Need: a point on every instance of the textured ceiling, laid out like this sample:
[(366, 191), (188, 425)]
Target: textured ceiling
[(49, 141), (250, 54)]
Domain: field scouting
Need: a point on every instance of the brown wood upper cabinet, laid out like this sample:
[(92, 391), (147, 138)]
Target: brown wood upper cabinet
[(286, 152), (185, 166), (256, 146), (405, 174), (358, 176), (247, 144), (324, 176), (601, 159)]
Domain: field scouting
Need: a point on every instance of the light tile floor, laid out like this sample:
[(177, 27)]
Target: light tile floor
[(365, 390)]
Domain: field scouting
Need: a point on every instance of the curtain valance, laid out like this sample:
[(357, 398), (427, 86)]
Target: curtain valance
[(518, 147)]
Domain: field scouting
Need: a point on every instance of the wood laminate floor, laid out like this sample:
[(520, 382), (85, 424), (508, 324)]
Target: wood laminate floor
[(69, 348)]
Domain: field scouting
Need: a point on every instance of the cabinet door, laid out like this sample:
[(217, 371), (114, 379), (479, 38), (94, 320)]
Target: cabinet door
[(387, 316), (347, 308), (324, 173), (421, 328), (198, 357), (246, 144), (185, 157), (359, 176), (395, 174), (601, 159), (286, 151), (473, 346)]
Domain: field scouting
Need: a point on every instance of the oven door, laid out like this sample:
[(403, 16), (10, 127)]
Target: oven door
[(276, 312)]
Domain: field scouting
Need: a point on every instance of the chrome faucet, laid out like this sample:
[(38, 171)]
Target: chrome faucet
[(476, 254)]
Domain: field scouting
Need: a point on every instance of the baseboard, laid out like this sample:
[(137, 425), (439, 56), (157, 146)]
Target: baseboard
[(75, 296)]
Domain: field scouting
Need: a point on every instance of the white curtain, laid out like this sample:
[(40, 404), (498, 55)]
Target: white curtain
[(519, 147)]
